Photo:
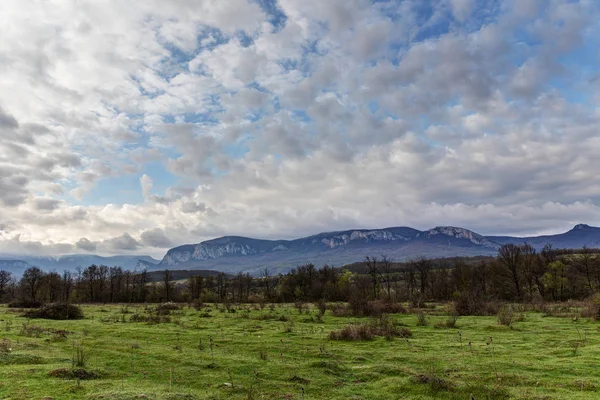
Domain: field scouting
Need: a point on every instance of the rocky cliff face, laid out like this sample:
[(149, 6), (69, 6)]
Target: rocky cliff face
[(360, 236), (207, 251), (234, 246), (460, 233)]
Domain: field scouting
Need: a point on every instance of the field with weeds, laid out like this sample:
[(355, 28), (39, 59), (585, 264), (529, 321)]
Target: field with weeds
[(291, 352)]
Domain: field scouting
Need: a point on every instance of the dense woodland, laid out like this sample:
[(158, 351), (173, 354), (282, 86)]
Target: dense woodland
[(518, 273)]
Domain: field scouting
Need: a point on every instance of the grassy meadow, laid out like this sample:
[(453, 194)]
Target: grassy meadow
[(132, 352)]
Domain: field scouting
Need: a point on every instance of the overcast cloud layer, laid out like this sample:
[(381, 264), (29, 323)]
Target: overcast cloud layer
[(133, 126)]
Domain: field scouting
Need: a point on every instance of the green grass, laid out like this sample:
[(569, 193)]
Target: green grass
[(257, 357)]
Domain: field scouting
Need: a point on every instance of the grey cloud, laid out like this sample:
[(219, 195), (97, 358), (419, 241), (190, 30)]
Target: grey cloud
[(191, 207), (13, 187), (7, 121), (123, 242), (86, 244), (156, 238), (46, 204)]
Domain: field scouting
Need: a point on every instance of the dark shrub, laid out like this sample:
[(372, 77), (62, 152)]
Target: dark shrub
[(422, 319), (591, 307), (59, 311), (166, 308), (375, 308), (24, 304), (198, 305), (506, 316), (339, 310), (321, 306), (436, 383), (77, 373), (474, 304), (353, 332), (382, 326)]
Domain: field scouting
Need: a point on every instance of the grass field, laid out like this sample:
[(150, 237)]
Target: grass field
[(280, 354)]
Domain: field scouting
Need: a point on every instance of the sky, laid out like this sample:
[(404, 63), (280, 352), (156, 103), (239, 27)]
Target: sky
[(134, 126)]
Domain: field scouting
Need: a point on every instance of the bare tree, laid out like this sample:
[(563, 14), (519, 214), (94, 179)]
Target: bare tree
[(510, 255), (5, 277), (167, 280), (385, 271), (31, 283)]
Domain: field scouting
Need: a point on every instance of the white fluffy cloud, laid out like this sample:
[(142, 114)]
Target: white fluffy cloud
[(135, 126)]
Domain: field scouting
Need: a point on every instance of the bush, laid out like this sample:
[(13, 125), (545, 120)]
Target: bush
[(300, 306), (77, 373), (321, 306), (198, 305), (449, 323), (474, 304), (5, 346), (591, 307), (25, 304), (382, 326), (506, 315), (374, 308), (58, 311), (339, 310), (353, 332), (421, 319), (166, 308)]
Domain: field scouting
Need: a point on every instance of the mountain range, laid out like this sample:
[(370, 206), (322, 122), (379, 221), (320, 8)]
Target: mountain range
[(234, 254)]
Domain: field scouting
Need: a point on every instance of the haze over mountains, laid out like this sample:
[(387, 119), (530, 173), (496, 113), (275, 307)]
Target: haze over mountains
[(234, 254), (17, 265)]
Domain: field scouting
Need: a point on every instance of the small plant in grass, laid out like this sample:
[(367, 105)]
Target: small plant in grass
[(79, 358), (5, 346), (289, 327), (263, 355), (422, 319), (436, 383), (211, 344), (31, 330), (177, 346)]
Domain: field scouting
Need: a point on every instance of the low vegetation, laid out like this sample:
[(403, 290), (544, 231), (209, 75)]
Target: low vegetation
[(283, 351), (59, 311), (521, 325)]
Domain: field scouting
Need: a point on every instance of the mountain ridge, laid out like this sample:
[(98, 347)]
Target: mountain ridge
[(233, 254), (244, 254)]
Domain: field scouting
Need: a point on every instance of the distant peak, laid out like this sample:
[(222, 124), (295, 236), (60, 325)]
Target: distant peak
[(581, 226)]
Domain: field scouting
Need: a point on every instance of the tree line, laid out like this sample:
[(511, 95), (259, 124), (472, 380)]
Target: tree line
[(518, 273)]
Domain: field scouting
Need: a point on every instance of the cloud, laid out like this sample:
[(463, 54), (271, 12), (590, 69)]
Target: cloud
[(85, 244), (147, 184), (46, 204), (7, 121), (123, 242), (156, 238), (242, 117), (462, 9)]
